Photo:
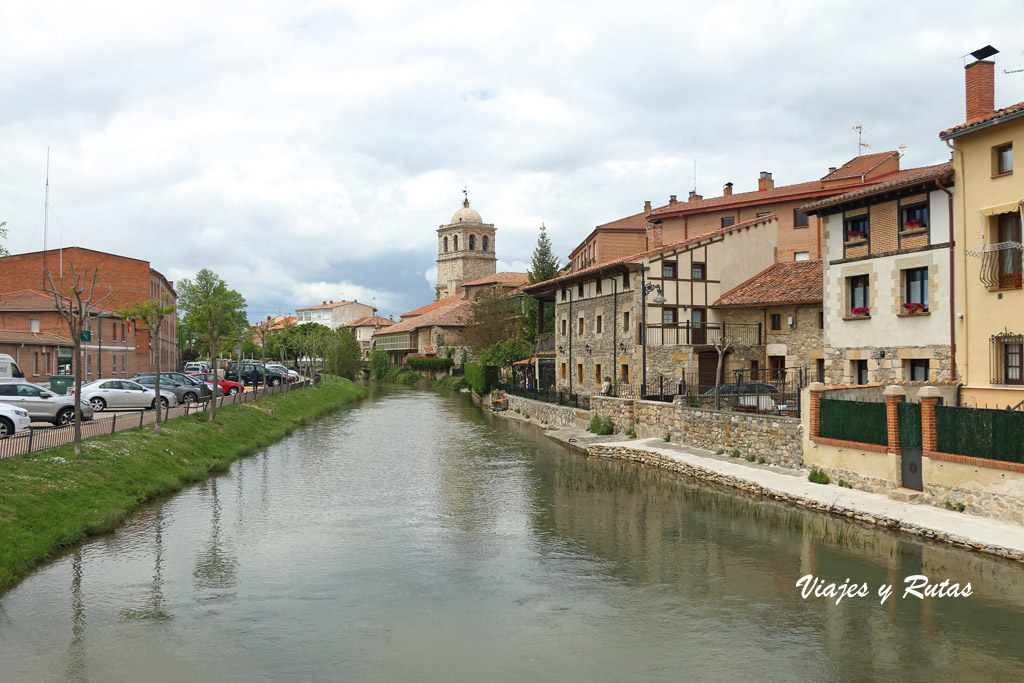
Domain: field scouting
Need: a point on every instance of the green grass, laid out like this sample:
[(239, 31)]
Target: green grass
[(53, 499), (602, 426), (817, 476)]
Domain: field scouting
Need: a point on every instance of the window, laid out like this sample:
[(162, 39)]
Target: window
[(564, 321), (597, 287), (88, 363), (455, 242), (484, 240), (563, 373), (446, 245), (597, 374), (472, 242), (625, 321), (625, 280), (698, 272), (728, 220), (918, 370), (668, 269), (1009, 257), (860, 371), (113, 360), (35, 364), (565, 293), (1007, 355), (581, 326), (579, 373), (860, 303), (914, 217), (33, 325), (856, 228), (762, 214), (668, 316), (624, 372), (776, 321), (801, 256), (597, 325), (579, 290), (821, 320), (915, 290), (820, 366), (800, 219), (1003, 159)]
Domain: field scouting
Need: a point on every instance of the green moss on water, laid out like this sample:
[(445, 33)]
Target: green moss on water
[(53, 499)]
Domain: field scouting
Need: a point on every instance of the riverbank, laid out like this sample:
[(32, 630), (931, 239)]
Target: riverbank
[(52, 499), (980, 534)]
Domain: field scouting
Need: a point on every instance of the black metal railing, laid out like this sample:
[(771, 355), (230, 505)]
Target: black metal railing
[(775, 391), (40, 439), (1001, 266), (689, 333), (518, 388)]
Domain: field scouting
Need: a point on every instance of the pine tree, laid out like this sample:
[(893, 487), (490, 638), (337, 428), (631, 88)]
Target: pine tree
[(544, 264)]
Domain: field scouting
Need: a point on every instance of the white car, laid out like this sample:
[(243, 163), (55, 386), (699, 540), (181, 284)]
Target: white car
[(13, 420), (292, 375), (122, 393)]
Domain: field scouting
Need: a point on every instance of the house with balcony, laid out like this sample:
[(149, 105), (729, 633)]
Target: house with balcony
[(365, 328), (989, 204), (333, 314), (887, 292), (650, 316)]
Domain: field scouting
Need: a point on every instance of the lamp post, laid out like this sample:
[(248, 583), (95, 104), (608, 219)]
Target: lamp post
[(646, 288)]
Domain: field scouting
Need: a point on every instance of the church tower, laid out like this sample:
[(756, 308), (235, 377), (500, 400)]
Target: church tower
[(465, 251)]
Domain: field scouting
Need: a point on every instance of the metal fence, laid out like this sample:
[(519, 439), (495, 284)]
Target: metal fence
[(775, 391), (689, 333), (858, 421), (980, 433), (40, 439), (547, 395)]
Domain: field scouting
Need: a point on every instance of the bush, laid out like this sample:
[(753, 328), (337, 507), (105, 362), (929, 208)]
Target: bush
[(430, 364), (602, 426), (379, 363), (668, 437), (631, 433), (751, 458), (843, 484), (817, 476), (452, 383), (734, 454), (481, 378)]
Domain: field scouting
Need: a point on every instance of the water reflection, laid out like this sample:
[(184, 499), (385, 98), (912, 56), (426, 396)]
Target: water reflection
[(416, 538)]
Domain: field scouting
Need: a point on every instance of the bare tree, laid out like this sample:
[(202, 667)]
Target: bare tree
[(77, 308), (152, 312), (722, 345)]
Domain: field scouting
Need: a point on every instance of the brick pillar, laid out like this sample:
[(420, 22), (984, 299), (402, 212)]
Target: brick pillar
[(816, 391), (893, 397), (929, 437)]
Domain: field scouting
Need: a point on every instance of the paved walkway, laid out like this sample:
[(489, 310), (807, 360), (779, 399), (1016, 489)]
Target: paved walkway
[(980, 533)]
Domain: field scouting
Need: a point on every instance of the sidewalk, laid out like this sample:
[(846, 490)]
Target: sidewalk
[(967, 531)]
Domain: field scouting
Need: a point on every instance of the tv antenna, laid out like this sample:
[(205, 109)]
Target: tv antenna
[(861, 145)]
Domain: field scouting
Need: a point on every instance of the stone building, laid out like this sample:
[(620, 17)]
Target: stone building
[(426, 331), (30, 320), (600, 311), (887, 279), (365, 328), (465, 251), (989, 202), (785, 300)]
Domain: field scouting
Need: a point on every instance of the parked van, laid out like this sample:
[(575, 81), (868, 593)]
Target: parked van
[(8, 368)]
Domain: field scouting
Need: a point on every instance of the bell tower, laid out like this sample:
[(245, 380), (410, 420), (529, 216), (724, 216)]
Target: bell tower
[(465, 251)]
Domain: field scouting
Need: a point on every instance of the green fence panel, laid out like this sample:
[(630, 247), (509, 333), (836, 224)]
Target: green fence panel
[(908, 417), (980, 433), (854, 421)]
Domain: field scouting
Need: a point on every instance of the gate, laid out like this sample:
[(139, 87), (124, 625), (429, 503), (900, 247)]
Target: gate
[(909, 421)]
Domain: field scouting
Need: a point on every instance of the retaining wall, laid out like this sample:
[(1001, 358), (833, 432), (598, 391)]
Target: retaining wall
[(549, 414)]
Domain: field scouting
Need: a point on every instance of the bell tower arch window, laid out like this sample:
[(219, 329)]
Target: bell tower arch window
[(455, 242), (446, 245), (484, 238), (472, 242)]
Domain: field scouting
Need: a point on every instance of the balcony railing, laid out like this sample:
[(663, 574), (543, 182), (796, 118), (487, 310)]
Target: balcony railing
[(703, 334), (1001, 265)]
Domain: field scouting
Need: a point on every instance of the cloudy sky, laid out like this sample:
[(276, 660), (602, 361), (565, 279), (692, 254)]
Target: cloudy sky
[(309, 150)]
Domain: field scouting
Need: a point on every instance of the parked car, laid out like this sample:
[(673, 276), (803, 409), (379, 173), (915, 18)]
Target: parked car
[(13, 420), (8, 368), (203, 389), (183, 393), (122, 393), (273, 377), (227, 386), (760, 395), (41, 404), (195, 366), (292, 375)]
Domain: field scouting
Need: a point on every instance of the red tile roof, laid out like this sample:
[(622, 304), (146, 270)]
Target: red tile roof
[(450, 312), (504, 278), (27, 300), (1013, 111), (21, 337), (371, 321), (796, 282), (432, 306), (910, 176), (861, 166), (637, 222)]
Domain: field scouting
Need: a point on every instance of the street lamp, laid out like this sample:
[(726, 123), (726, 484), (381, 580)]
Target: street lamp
[(647, 288)]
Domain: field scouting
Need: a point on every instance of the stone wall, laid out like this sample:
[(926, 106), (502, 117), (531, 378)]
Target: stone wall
[(549, 414), (777, 439), (600, 353)]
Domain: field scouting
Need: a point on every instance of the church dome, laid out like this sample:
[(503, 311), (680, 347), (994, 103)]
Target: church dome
[(466, 215)]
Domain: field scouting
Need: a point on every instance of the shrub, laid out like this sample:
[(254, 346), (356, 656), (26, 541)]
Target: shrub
[(631, 433), (668, 437), (720, 451), (602, 426), (449, 382), (760, 460), (430, 364), (734, 454), (481, 377), (751, 458), (379, 363), (844, 484), (816, 476)]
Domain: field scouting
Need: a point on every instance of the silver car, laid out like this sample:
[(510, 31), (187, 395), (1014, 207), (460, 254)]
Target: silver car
[(42, 404), (122, 393), (184, 393)]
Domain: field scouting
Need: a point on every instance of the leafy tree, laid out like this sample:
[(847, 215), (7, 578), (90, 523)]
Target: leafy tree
[(505, 353), (77, 308), (496, 317), (152, 312), (213, 311), (380, 363), (348, 355)]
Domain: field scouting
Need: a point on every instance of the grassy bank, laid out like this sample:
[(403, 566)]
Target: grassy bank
[(52, 499), (412, 378)]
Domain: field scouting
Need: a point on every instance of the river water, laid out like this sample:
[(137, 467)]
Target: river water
[(414, 538)]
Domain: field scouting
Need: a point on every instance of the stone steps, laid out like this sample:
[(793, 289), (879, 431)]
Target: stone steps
[(904, 495)]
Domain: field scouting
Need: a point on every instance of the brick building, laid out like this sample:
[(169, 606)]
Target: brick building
[(32, 331)]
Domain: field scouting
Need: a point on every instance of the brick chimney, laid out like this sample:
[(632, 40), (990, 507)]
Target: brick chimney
[(672, 199), (981, 89), (765, 182), (647, 206), (728, 190), (694, 197), (323, 303), (268, 318)]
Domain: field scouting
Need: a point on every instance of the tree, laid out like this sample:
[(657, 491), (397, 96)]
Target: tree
[(380, 363), (348, 354), (722, 346), (3, 233), (543, 267), (496, 317), (505, 353), (213, 311), (152, 312), (77, 308)]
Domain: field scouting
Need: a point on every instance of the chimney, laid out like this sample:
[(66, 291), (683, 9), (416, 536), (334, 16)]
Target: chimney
[(981, 89), (268, 318), (831, 170), (727, 192), (332, 301), (647, 206), (694, 197), (672, 199), (765, 182), (324, 303)]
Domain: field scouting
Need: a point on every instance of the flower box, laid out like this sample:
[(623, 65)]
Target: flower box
[(860, 311), (914, 224), (914, 307), (853, 236)]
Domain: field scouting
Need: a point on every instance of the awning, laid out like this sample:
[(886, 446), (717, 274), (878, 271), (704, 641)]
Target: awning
[(996, 209)]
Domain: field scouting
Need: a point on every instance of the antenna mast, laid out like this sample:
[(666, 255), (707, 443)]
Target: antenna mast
[(46, 206), (861, 145)]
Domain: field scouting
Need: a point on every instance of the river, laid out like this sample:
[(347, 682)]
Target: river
[(414, 538)]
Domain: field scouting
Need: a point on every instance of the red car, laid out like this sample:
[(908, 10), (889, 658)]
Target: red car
[(227, 386)]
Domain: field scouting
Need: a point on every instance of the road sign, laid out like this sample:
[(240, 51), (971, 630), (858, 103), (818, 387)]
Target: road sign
[(87, 335)]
